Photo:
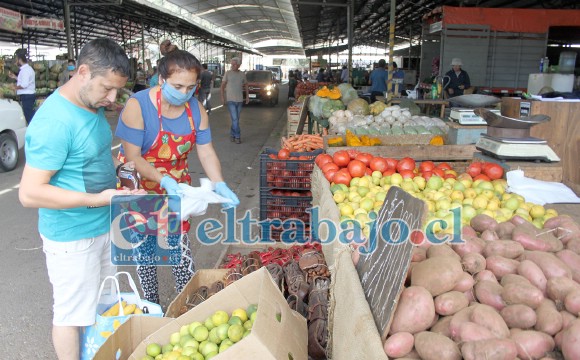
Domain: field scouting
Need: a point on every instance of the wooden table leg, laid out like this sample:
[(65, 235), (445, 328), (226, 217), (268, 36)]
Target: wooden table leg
[(442, 111)]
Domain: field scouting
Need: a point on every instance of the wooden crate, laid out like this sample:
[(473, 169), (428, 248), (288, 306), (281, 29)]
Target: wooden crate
[(405, 139), (464, 134)]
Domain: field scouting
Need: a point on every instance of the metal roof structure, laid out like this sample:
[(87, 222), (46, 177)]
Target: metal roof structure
[(322, 24), (271, 27)]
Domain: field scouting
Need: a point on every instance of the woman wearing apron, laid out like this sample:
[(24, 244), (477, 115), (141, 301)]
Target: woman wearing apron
[(158, 128)]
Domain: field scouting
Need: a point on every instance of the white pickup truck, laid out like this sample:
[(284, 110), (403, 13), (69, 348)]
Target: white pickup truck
[(12, 131)]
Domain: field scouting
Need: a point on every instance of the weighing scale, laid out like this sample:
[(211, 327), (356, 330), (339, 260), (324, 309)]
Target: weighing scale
[(465, 114), (509, 139)]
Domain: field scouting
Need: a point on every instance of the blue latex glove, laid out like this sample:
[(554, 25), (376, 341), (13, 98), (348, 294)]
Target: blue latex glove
[(223, 190), (172, 188)]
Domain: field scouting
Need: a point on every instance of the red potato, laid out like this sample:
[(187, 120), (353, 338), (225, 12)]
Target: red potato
[(442, 326), (465, 283), (534, 274), (489, 293), (518, 220), (414, 312), (473, 263), (559, 287), (496, 349), (470, 245), (470, 331), (438, 275), (433, 346), (514, 331), (486, 275), (505, 229), (572, 302), (459, 318), (567, 319), (519, 316), (419, 254), (571, 341), (483, 222), (450, 303), (551, 266), (566, 228), (549, 318), (470, 296), (501, 266), (551, 240), (571, 259), (489, 235), (413, 355), (525, 234), (466, 231), (442, 250), (521, 293), (434, 321), (399, 344), (532, 344), (507, 248), (574, 245), (513, 278), (491, 319), (558, 339)]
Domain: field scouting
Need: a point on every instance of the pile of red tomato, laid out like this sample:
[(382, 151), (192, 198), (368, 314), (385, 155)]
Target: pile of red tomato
[(344, 165), (485, 171)]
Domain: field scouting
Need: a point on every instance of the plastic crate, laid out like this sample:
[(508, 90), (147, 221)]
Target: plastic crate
[(285, 207), (286, 174)]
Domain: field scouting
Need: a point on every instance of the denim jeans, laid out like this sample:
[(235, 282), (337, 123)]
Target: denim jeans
[(204, 97), (235, 109), (27, 102)]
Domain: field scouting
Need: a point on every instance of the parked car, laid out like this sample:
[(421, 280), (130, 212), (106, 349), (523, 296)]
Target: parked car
[(12, 131), (263, 86)]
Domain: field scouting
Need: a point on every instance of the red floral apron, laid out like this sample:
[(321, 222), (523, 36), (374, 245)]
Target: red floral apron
[(168, 155)]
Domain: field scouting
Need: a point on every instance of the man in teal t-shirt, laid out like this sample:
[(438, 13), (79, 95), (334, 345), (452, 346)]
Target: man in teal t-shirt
[(70, 176)]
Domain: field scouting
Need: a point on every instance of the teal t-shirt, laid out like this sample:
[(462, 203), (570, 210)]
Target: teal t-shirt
[(75, 143)]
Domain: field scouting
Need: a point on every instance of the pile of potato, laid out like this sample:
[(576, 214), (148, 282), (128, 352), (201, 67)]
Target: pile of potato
[(511, 291)]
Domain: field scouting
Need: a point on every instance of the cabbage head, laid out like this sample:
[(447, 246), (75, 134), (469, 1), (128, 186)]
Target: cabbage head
[(348, 93), (359, 107)]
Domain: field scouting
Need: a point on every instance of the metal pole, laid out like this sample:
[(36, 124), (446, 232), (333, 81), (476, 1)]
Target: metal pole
[(391, 46), (349, 31), (143, 44), (67, 28), (75, 36)]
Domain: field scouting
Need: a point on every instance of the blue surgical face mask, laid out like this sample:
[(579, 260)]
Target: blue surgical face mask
[(174, 96), (70, 67)]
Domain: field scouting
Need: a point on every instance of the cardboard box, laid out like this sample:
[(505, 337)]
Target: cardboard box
[(201, 278), (270, 338), (126, 338)]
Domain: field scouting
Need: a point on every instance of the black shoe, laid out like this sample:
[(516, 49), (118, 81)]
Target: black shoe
[(232, 139), (238, 141)]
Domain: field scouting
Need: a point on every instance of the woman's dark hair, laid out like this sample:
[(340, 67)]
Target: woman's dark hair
[(102, 55), (175, 59)]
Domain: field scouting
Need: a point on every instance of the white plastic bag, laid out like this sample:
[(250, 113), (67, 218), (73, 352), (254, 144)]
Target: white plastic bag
[(195, 200), (538, 191)]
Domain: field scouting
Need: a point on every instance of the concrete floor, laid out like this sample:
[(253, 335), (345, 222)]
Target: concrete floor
[(26, 311)]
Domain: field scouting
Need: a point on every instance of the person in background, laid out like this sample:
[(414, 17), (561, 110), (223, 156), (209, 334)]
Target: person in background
[(232, 89), (458, 79), (291, 85), (159, 128), (206, 84), (344, 74), (67, 73), (70, 176), (154, 79), (140, 79), (397, 74), (298, 75), (321, 77), (306, 76), (25, 84), (378, 80)]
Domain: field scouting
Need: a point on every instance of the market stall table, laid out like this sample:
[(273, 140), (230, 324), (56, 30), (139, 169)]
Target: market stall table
[(428, 103)]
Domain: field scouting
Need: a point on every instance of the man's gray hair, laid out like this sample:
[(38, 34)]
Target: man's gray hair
[(236, 60)]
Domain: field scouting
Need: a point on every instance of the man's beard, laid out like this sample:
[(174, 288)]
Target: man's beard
[(84, 96)]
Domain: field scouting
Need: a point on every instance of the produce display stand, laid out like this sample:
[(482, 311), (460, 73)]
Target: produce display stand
[(535, 170), (392, 140), (417, 152)]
